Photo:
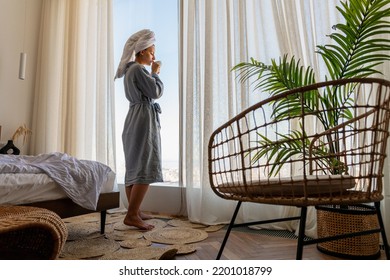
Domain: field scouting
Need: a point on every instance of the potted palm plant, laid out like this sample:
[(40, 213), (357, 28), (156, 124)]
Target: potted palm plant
[(358, 46)]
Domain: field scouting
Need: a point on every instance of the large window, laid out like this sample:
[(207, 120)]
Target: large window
[(131, 16)]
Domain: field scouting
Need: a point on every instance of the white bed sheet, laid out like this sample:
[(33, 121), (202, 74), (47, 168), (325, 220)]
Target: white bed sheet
[(80, 180), (19, 189)]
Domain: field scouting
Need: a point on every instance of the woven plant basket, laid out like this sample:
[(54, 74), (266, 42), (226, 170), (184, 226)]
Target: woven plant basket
[(333, 220)]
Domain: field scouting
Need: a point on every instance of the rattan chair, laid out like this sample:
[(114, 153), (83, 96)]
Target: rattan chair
[(30, 233), (289, 158)]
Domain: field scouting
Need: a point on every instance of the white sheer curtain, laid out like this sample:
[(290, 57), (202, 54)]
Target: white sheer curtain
[(215, 36), (74, 92)]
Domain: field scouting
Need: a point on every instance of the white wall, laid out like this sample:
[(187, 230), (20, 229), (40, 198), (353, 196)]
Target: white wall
[(17, 35), (16, 96)]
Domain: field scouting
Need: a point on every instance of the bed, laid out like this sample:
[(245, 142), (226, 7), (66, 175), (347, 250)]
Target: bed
[(60, 183)]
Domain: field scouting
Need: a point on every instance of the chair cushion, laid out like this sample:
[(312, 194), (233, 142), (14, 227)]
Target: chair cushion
[(291, 186)]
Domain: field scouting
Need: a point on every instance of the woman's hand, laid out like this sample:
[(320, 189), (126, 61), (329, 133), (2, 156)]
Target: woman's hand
[(156, 66)]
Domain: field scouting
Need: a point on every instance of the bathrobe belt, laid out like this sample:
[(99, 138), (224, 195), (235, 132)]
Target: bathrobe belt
[(156, 108)]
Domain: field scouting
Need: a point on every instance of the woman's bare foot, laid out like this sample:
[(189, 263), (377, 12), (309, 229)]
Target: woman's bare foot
[(137, 222), (144, 216)]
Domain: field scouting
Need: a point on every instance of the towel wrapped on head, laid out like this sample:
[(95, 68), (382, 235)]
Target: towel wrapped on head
[(137, 42)]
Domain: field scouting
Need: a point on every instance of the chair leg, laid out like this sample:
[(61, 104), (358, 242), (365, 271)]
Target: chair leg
[(229, 230), (103, 215), (301, 234), (382, 227)]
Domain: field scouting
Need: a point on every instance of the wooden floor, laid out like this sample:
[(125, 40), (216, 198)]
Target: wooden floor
[(243, 244), (254, 246)]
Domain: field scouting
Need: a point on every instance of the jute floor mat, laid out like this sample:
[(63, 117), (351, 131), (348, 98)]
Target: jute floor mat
[(170, 237)]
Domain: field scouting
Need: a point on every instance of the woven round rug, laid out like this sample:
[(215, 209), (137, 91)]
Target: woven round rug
[(184, 223), (155, 222), (176, 235), (88, 218), (182, 249), (115, 218), (89, 248), (78, 231), (124, 235), (213, 228), (145, 253), (135, 243)]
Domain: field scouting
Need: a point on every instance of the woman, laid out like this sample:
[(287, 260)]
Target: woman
[(141, 132)]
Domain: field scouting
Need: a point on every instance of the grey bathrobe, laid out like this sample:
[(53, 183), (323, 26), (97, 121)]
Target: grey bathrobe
[(141, 132)]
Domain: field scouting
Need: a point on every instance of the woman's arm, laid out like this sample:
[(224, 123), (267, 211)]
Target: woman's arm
[(150, 85)]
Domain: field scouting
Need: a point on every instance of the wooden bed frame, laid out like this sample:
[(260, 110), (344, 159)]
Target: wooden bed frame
[(66, 208)]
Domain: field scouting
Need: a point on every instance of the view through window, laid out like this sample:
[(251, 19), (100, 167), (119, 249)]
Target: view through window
[(131, 16)]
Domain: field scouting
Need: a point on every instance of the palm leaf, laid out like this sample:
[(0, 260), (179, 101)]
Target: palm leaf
[(357, 47), (278, 153), (280, 76)]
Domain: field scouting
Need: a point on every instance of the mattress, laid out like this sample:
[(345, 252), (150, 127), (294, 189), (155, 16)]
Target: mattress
[(26, 188)]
